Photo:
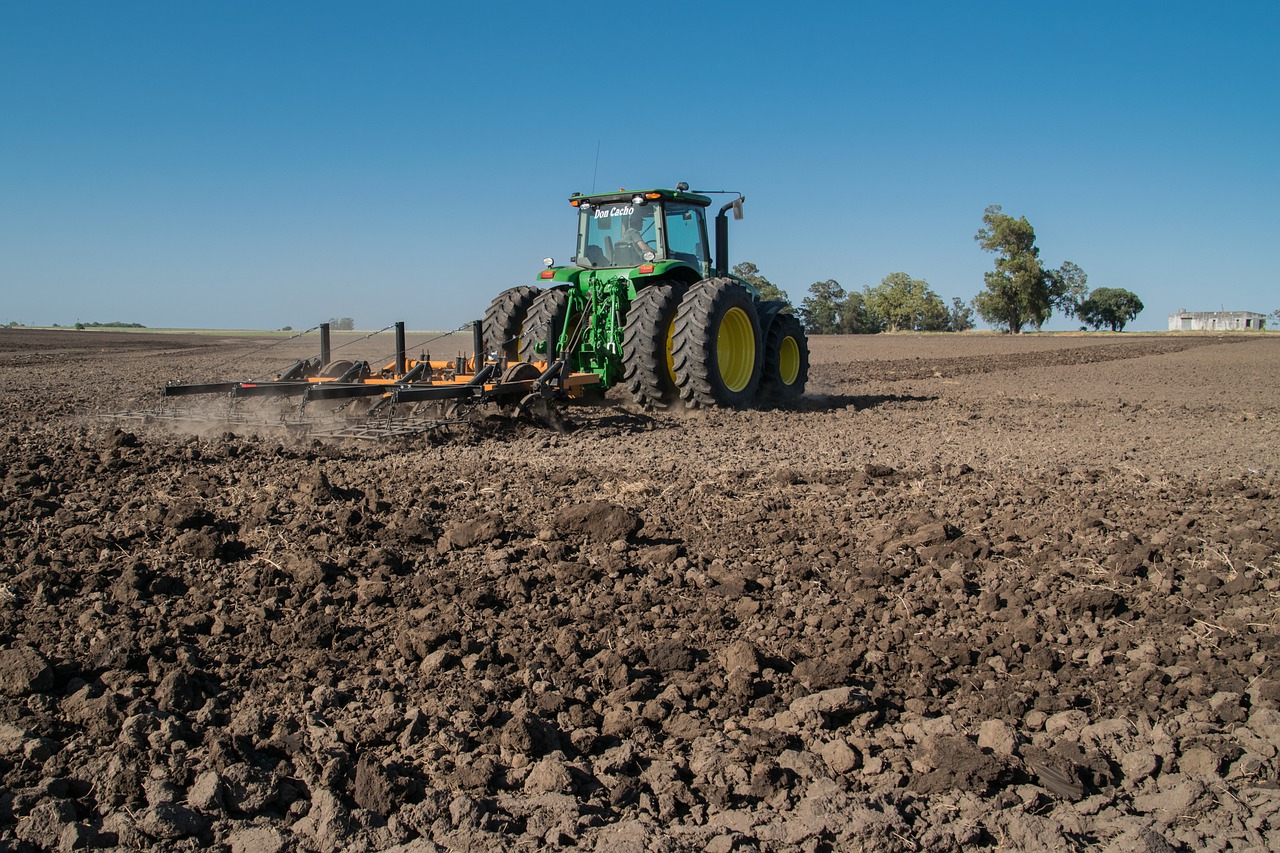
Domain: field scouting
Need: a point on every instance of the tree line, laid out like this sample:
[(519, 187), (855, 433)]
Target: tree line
[(899, 303), (1020, 292)]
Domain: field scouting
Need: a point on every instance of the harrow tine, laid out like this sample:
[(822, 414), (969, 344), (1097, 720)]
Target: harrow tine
[(538, 409)]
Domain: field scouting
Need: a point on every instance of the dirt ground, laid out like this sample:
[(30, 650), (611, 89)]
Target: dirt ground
[(973, 592)]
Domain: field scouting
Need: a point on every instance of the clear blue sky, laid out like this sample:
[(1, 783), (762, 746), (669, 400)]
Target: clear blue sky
[(252, 165)]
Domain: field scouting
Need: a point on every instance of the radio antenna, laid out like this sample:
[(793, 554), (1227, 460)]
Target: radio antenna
[(596, 169)]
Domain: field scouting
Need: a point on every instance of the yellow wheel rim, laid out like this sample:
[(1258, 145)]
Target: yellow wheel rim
[(736, 349), (788, 360)]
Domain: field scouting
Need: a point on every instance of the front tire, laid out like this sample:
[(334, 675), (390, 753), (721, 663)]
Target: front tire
[(717, 345), (648, 365)]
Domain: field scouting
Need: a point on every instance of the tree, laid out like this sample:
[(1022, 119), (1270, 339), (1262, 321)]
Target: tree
[(1020, 291), (904, 303), (820, 311), (341, 324), (1110, 306), (1069, 287), (769, 291), (1275, 317), (856, 318), (961, 319)]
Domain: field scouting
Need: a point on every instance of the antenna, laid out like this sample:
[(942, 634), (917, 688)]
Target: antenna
[(596, 169)]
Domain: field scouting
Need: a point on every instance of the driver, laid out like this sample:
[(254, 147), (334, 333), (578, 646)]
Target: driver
[(632, 233)]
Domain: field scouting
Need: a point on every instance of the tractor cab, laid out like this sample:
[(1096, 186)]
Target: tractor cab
[(624, 230)]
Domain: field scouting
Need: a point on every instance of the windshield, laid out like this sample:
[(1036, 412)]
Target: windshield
[(618, 235)]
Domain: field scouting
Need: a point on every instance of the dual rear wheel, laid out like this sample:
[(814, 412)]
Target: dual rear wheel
[(504, 321), (717, 347), (547, 319), (648, 363), (786, 360), (525, 323), (711, 345), (730, 351)]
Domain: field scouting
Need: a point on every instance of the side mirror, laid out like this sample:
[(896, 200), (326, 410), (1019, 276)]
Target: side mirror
[(737, 207)]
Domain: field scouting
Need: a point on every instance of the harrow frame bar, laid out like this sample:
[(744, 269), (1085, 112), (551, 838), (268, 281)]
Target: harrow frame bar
[(476, 381)]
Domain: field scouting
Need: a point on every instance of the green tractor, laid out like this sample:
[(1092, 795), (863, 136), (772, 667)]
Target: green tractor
[(644, 305)]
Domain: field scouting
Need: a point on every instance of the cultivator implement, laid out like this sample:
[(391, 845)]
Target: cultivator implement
[(327, 397)]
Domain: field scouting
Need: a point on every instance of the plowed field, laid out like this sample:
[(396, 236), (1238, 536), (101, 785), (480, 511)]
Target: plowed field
[(973, 592)]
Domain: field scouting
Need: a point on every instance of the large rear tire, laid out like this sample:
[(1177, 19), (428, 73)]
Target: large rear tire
[(786, 360), (545, 322), (717, 347), (504, 321), (648, 366)]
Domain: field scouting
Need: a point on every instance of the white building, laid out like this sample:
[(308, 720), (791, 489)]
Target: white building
[(1216, 321)]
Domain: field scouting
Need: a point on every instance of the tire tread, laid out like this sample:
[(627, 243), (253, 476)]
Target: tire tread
[(644, 345), (694, 348)]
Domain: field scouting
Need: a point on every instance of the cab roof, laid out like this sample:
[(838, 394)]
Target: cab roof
[(649, 195)]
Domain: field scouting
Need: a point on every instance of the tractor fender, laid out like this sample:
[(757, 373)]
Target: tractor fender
[(768, 311)]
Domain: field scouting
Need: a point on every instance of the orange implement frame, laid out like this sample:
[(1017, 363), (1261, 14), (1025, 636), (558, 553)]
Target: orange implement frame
[(468, 382)]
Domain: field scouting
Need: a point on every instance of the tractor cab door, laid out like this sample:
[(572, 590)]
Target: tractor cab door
[(686, 235)]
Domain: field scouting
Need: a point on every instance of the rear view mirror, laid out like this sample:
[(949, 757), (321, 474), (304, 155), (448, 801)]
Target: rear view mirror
[(737, 208)]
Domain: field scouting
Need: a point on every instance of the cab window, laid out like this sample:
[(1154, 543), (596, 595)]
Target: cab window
[(685, 233)]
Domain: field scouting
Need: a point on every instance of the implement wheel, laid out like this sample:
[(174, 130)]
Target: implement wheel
[(334, 369), (544, 323), (504, 321), (520, 372), (648, 367), (717, 348), (786, 360)]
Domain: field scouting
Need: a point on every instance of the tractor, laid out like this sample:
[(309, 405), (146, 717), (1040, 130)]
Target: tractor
[(643, 304)]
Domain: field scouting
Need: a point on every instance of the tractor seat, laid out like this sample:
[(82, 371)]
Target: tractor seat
[(626, 255)]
